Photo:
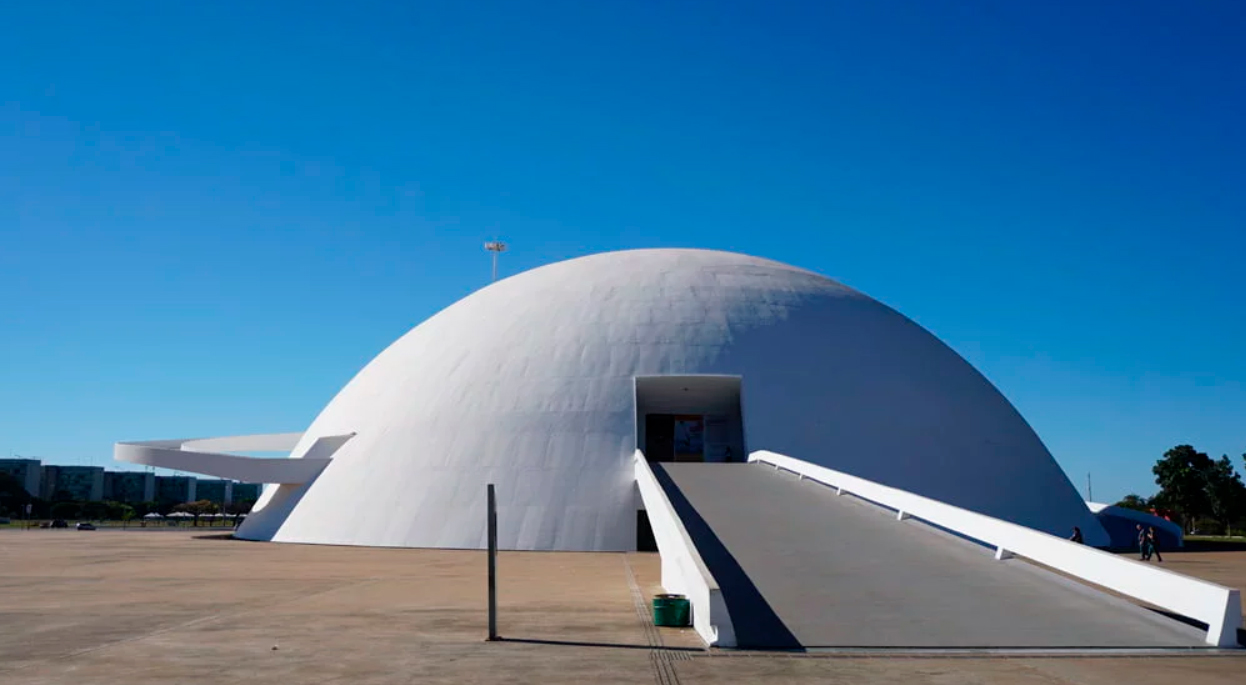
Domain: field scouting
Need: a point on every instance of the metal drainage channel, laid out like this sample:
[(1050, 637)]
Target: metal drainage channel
[(661, 658)]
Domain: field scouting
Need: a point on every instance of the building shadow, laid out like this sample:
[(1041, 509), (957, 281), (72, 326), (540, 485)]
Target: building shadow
[(756, 624)]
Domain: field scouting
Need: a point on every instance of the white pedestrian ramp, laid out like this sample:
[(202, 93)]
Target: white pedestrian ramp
[(796, 566)]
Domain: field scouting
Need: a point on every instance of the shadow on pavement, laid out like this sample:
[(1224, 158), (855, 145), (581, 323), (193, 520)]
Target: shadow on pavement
[(756, 624), (1241, 632)]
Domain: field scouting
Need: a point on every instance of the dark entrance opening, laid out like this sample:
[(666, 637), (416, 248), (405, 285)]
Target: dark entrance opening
[(645, 542), (686, 419), (689, 418), (659, 437)]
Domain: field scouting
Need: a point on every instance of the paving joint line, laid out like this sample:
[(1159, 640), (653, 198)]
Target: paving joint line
[(660, 658)]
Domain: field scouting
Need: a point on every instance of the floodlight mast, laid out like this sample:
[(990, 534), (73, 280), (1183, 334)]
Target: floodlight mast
[(496, 247)]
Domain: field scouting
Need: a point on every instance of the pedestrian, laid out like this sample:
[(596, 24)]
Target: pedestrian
[(1077, 535), (1152, 541), (1142, 546)]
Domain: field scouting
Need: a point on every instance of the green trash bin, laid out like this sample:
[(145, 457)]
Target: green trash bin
[(671, 610)]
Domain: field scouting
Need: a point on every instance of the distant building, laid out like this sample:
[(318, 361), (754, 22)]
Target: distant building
[(247, 492), (217, 491), (130, 487), (175, 489), (73, 482), (28, 472)]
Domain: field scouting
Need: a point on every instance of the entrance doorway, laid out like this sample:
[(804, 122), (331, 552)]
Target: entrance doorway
[(686, 419), (689, 418)]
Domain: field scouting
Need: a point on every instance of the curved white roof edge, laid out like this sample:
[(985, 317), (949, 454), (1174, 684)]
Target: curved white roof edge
[(531, 383), (192, 454)]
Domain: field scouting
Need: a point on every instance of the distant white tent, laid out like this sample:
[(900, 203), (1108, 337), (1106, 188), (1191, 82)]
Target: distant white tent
[(153, 515)]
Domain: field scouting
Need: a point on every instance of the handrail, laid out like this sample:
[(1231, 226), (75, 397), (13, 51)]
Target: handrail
[(683, 570), (1217, 606)]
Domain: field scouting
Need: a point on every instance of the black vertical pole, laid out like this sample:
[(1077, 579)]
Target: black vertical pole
[(493, 564)]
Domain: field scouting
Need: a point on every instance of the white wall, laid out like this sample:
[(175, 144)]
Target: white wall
[(528, 383), (683, 570)]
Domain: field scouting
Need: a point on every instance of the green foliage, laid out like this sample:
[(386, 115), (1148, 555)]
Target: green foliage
[(65, 510), (1181, 476), (1135, 502), (13, 496), (1226, 495), (239, 507), (118, 511), (198, 508), (1195, 487), (95, 511)]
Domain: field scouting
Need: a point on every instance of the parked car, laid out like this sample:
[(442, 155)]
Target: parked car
[(60, 523), (83, 525)]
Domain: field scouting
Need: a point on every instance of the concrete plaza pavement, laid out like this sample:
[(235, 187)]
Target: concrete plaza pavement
[(140, 607)]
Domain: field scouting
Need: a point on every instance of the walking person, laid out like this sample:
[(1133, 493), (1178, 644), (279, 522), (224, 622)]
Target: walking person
[(1152, 541), (1142, 546), (1077, 535)]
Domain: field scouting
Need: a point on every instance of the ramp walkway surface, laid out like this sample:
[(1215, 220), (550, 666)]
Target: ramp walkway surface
[(800, 568)]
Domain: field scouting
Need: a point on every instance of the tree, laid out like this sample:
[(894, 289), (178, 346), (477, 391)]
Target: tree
[(115, 509), (239, 507), (13, 496), (1226, 495), (198, 508), (65, 510), (1182, 478), (1135, 502), (95, 511)]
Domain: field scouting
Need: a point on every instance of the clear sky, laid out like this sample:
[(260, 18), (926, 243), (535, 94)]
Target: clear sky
[(213, 214)]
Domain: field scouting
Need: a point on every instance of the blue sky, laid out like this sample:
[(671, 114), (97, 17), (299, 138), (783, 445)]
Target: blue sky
[(213, 214)]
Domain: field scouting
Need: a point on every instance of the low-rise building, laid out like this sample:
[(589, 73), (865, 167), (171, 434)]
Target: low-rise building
[(73, 482), (130, 487), (28, 472), (175, 489), (247, 492), (214, 490)]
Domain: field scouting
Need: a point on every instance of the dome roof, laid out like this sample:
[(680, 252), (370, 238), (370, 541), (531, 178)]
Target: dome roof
[(530, 383)]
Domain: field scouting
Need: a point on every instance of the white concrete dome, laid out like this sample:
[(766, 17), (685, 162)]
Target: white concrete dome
[(535, 383)]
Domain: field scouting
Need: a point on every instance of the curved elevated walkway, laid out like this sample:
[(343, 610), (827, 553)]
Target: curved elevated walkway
[(802, 568)]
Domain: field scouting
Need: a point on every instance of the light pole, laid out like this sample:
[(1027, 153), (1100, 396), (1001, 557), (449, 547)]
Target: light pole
[(496, 247), (491, 526)]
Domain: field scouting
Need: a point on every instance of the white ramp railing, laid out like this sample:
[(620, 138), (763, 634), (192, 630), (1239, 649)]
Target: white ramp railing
[(683, 571), (1219, 607)]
